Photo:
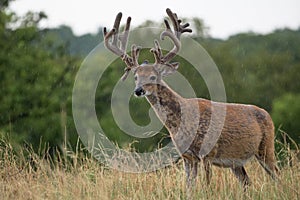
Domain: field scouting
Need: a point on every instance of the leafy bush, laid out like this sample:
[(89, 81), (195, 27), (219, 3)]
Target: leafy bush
[(286, 114)]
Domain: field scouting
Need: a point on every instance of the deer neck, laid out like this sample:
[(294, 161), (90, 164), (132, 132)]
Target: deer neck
[(167, 105)]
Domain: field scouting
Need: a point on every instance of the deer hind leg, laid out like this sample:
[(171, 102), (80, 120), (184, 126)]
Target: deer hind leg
[(241, 174), (266, 155), (266, 159)]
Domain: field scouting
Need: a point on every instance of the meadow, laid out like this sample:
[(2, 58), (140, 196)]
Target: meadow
[(75, 175), (38, 71)]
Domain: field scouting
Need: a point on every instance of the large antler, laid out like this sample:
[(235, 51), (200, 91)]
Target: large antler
[(174, 36), (117, 43)]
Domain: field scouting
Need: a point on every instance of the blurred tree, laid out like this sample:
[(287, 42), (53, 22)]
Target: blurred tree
[(63, 36), (286, 113), (36, 83), (4, 4), (38, 67), (258, 68), (199, 28)]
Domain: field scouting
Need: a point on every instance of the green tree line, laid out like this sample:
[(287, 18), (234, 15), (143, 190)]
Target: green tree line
[(38, 69)]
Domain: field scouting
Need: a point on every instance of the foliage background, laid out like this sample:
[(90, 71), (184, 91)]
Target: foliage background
[(38, 69)]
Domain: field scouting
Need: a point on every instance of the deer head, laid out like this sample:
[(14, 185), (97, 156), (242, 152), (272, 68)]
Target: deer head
[(147, 76)]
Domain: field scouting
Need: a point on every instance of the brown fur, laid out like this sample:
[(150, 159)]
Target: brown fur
[(248, 132)]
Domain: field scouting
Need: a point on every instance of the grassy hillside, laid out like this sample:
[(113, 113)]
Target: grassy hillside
[(27, 175)]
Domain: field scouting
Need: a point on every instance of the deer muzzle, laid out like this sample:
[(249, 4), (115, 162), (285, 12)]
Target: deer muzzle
[(139, 92)]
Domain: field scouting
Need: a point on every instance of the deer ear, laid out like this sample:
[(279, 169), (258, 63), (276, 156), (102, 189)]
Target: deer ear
[(170, 68), (175, 65)]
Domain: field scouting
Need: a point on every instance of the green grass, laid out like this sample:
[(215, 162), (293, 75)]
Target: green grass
[(26, 175)]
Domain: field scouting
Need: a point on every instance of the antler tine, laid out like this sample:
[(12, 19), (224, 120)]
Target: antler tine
[(175, 37), (114, 35), (174, 20), (124, 37), (135, 51), (178, 28), (157, 52), (116, 29), (168, 28), (117, 43), (118, 39)]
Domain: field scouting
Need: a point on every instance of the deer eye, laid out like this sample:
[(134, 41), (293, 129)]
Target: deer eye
[(152, 78), (135, 78)]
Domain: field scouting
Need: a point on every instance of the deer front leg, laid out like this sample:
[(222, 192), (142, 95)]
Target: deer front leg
[(207, 169), (187, 169), (195, 170), (191, 171)]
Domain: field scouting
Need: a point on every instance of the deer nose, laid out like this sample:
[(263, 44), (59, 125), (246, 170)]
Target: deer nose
[(139, 91)]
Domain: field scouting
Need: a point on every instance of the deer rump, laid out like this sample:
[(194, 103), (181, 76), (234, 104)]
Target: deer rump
[(247, 131)]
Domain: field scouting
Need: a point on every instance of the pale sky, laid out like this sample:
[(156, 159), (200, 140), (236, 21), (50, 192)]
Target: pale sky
[(223, 17)]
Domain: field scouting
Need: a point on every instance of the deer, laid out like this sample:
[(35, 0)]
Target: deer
[(246, 131)]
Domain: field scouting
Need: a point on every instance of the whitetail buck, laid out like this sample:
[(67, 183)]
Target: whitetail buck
[(247, 130)]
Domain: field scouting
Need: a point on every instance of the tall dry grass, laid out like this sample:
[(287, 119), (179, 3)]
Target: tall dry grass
[(27, 175)]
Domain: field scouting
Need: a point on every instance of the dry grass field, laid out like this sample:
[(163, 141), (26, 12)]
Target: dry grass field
[(26, 175)]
